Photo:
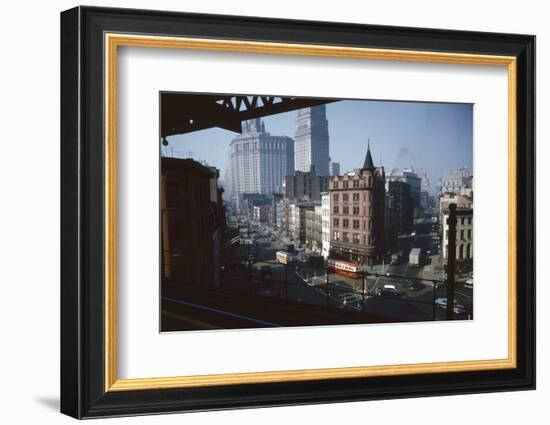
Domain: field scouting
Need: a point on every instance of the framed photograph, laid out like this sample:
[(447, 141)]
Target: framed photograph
[(261, 212)]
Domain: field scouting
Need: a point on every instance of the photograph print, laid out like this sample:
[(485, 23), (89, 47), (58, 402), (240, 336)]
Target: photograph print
[(291, 211)]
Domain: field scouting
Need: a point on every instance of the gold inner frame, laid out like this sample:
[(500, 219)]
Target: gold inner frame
[(113, 41)]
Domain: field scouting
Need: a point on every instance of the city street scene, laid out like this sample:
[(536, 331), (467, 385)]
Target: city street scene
[(291, 211)]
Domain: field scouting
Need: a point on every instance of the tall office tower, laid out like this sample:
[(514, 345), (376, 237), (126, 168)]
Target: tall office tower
[(333, 167), (258, 162), (311, 141)]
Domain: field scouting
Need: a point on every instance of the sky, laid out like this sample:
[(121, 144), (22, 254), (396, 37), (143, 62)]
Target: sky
[(436, 136)]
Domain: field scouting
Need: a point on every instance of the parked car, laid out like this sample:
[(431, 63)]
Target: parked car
[(389, 291), (457, 308), (350, 299), (415, 286), (396, 258)]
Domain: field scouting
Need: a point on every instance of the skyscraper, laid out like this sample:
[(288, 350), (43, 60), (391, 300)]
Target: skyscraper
[(258, 161), (333, 167), (311, 142)]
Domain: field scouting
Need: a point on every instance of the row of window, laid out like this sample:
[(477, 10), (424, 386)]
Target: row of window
[(463, 232), (465, 220), (355, 197), (355, 210), (355, 237), (354, 183), (463, 252), (355, 223)]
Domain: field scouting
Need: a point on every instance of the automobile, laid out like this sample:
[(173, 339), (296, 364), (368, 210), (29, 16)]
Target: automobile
[(303, 258), (414, 286), (388, 290), (349, 299), (396, 258), (457, 308)]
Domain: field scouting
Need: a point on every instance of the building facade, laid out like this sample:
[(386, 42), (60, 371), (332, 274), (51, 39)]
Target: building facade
[(192, 222), (314, 229), (276, 199), (464, 235), (399, 211), (357, 214), (325, 225), (407, 175), (311, 140), (258, 161), (455, 181), (297, 221), (305, 186), (262, 213)]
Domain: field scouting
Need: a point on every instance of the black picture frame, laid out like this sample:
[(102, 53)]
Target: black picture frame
[(83, 392)]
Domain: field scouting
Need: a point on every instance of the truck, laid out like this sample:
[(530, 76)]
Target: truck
[(415, 257), (284, 257)]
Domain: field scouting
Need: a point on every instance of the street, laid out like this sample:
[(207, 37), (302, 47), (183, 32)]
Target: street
[(414, 286)]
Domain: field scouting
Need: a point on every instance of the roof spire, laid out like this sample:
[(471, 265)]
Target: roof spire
[(368, 164)]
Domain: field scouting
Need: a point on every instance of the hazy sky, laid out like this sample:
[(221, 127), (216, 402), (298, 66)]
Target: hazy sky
[(437, 136)]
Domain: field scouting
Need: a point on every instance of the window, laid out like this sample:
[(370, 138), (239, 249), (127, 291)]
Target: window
[(370, 195), (335, 222), (356, 183), (335, 185), (346, 210), (345, 223), (469, 234), (356, 224), (356, 238), (355, 197), (468, 254), (345, 237), (345, 197), (336, 209), (370, 224), (335, 197), (346, 184), (370, 181), (336, 235), (355, 210)]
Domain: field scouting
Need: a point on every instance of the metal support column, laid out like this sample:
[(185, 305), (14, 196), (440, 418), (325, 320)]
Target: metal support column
[(451, 261)]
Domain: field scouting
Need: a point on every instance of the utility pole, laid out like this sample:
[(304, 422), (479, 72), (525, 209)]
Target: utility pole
[(327, 289), (451, 260), (364, 289)]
